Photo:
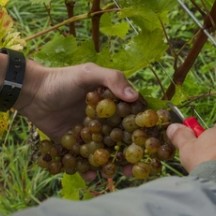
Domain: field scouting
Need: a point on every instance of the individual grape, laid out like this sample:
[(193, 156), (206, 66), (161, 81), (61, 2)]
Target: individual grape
[(42, 163), (92, 162), (107, 94), (86, 121), (114, 121), (138, 107), (127, 170), (95, 126), (108, 141), (89, 176), (106, 129), (166, 152), (45, 146), (141, 171), (148, 118), (105, 108), (76, 130), (97, 137), (85, 134), (152, 145), (133, 153), (93, 146), (123, 109), (127, 137), (164, 116), (67, 141), (101, 156), (69, 161), (92, 98), (54, 167), (139, 137), (75, 149), (85, 151), (116, 134), (90, 111), (82, 165), (129, 123), (53, 152), (109, 170), (156, 167)]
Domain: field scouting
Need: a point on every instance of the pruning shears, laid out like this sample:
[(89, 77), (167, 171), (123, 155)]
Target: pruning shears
[(190, 122)]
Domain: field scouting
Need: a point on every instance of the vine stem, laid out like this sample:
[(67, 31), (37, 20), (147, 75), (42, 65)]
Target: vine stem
[(96, 24), (70, 10), (68, 21), (182, 71)]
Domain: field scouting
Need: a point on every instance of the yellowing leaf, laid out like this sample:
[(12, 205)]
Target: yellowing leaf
[(3, 3), (4, 122)]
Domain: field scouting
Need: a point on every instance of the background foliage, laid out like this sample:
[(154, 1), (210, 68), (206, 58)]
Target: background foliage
[(155, 36)]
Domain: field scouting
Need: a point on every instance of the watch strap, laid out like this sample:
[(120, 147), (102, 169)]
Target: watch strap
[(13, 79)]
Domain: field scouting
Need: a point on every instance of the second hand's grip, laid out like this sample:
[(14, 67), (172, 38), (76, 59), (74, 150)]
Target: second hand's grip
[(194, 125)]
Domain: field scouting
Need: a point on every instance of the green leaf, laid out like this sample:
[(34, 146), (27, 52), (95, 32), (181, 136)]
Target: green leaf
[(74, 187), (40, 1), (179, 96), (155, 103), (113, 29), (65, 51)]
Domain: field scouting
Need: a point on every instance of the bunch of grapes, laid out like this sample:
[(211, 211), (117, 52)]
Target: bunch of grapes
[(115, 136)]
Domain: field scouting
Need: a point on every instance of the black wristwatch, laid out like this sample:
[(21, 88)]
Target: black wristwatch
[(10, 89)]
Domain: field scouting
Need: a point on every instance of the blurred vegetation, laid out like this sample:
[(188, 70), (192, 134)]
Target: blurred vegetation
[(24, 184)]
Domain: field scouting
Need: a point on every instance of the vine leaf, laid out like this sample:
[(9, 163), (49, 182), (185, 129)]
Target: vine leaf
[(74, 187), (110, 29), (179, 96)]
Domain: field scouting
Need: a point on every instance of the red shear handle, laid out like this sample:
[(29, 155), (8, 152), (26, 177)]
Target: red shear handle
[(194, 125)]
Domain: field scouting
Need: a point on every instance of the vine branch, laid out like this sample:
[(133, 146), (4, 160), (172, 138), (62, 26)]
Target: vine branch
[(182, 71), (69, 20), (96, 24), (70, 10)]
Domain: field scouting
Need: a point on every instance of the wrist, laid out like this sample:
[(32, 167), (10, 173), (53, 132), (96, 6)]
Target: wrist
[(34, 75), (3, 68)]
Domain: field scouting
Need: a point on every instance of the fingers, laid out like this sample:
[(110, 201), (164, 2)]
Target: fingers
[(112, 79), (180, 135)]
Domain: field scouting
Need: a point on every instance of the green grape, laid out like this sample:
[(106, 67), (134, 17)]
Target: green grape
[(107, 94), (141, 171), (95, 126), (127, 137), (139, 137), (93, 146), (109, 170), (108, 141), (67, 141), (114, 121), (105, 108), (85, 134), (129, 123), (152, 145), (92, 162), (148, 118), (106, 129), (69, 161), (97, 137), (86, 121), (123, 109), (90, 111), (54, 152), (77, 129), (75, 149), (101, 156), (166, 152), (55, 167), (92, 98), (156, 167), (133, 153), (164, 116), (138, 106), (82, 165), (45, 146), (85, 151), (42, 163), (116, 134)]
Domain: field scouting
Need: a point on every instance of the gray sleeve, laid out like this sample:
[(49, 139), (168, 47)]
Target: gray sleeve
[(170, 196)]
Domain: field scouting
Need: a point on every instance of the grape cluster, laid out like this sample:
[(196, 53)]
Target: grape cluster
[(115, 135)]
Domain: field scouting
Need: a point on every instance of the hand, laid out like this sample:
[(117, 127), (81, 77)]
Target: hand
[(193, 151), (54, 98)]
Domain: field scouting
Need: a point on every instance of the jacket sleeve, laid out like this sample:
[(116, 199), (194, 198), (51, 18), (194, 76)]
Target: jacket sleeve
[(194, 195)]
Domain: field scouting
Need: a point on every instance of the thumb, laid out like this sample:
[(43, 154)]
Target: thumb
[(180, 135)]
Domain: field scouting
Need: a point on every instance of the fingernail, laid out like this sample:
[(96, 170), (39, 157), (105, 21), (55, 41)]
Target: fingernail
[(130, 92), (172, 129)]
